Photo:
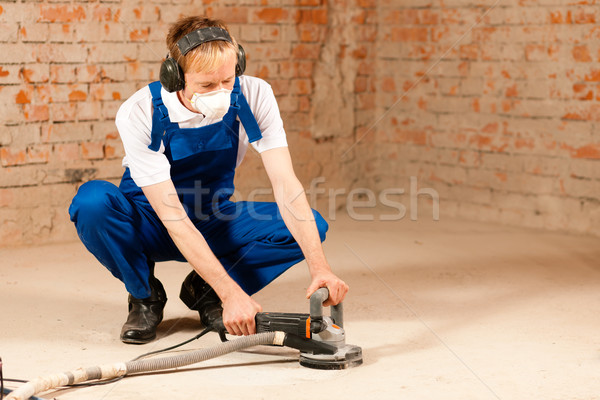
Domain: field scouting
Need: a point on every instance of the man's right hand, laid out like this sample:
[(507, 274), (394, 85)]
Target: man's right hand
[(239, 311)]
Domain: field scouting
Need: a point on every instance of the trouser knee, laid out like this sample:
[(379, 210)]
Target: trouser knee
[(322, 225), (94, 201)]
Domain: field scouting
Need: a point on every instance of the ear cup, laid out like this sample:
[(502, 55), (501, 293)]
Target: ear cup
[(241, 61), (171, 75)]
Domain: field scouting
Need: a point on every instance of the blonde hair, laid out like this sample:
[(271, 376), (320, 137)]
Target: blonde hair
[(207, 57)]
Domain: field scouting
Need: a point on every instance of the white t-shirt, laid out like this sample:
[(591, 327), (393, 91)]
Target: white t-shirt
[(134, 122)]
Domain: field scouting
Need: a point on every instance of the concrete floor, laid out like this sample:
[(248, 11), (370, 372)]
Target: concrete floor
[(442, 310)]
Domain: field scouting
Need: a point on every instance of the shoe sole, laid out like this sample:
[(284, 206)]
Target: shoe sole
[(137, 341)]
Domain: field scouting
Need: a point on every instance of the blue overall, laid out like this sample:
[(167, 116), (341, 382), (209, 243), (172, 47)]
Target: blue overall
[(120, 228)]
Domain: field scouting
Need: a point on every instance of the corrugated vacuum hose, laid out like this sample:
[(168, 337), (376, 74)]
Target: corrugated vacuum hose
[(116, 370)]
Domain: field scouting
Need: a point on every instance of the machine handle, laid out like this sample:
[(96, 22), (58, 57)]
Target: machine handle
[(316, 309)]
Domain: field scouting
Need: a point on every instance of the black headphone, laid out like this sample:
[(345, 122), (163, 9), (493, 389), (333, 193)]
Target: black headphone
[(171, 74)]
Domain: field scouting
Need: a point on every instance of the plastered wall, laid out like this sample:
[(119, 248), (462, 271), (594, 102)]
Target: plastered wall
[(493, 105)]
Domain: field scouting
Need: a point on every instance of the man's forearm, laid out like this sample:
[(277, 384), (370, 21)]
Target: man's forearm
[(196, 251), (299, 219)]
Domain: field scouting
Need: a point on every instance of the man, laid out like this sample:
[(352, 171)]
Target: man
[(182, 144)]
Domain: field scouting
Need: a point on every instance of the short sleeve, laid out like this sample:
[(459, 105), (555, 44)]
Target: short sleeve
[(263, 104)]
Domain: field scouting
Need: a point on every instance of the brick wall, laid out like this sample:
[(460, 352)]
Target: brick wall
[(66, 67), (494, 104), (496, 109)]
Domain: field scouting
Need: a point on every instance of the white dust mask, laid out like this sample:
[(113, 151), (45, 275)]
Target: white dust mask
[(213, 105)]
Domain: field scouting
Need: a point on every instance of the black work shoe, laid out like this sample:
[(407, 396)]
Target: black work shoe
[(199, 296), (144, 315)]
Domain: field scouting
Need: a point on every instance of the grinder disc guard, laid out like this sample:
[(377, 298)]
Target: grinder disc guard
[(347, 356)]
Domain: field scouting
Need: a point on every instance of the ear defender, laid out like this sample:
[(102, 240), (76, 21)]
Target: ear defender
[(171, 75), (241, 61)]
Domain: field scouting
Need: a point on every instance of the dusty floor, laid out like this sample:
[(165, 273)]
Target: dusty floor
[(442, 310)]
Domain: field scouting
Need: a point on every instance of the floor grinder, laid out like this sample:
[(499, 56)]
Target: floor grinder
[(320, 339)]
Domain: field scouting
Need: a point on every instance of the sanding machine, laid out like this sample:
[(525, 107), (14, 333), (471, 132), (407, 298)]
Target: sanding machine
[(320, 339)]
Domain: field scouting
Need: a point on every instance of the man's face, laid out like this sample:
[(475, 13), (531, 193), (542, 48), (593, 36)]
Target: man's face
[(222, 78)]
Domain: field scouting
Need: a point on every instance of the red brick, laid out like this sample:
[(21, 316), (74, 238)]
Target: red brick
[(306, 51), (288, 104), (114, 149), (582, 16), (270, 33), (556, 17), (407, 136), (303, 17), (360, 84), (365, 101), (310, 33), (588, 151), (303, 103), (581, 54), (490, 128), (7, 197), (588, 112), (92, 150), (44, 94), (61, 13), (512, 91), (77, 95), (366, 3), (319, 17), (66, 151), (66, 132), (409, 34), (109, 109), (38, 154), (24, 96), (62, 74), (388, 84), (102, 13), (360, 53), (271, 15), (301, 86), (139, 35), (89, 110), (536, 52), (429, 17), (34, 112), (366, 33), (89, 73), (359, 17), (10, 157), (233, 15), (402, 17), (469, 51), (593, 76), (63, 111), (366, 68)]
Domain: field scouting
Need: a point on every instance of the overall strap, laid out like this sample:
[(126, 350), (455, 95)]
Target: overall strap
[(245, 113), (160, 117)]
